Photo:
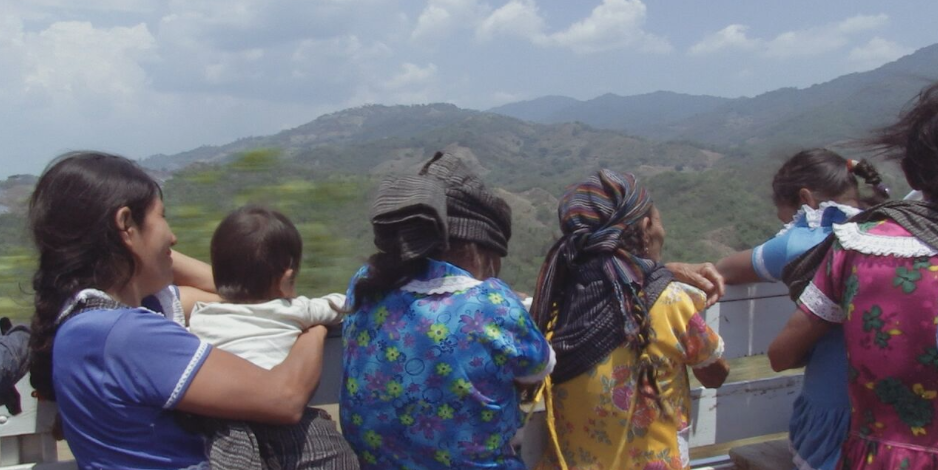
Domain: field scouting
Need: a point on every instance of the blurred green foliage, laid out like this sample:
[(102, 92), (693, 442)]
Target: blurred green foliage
[(326, 210), (708, 212)]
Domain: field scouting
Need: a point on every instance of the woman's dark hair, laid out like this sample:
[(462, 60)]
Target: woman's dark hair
[(827, 174), (407, 225), (72, 220), (251, 250), (913, 140), (386, 272)]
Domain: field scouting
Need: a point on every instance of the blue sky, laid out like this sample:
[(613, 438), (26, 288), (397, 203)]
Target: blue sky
[(140, 77)]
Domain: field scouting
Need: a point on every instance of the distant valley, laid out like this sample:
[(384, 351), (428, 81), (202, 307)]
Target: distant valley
[(706, 160)]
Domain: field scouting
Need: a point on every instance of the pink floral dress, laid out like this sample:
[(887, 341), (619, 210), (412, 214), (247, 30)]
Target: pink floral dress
[(881, 283)]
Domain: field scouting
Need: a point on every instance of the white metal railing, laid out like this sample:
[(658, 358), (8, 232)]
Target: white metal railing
[(26, 440), (747, 318)]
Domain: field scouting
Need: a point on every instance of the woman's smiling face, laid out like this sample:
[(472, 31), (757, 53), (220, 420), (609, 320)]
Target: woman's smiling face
[(151, 244)]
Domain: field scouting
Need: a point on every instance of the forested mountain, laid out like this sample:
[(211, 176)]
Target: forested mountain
[(541, 109), (707, 161), (844, 108), (637, 115), (325, 186), (357, 125)]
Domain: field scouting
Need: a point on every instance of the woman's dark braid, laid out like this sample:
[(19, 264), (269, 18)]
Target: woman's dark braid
[(633, 241)]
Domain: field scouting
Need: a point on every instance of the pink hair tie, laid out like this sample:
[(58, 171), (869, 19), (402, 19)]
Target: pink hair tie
[(851, 164)]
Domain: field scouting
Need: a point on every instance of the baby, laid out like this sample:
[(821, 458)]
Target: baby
[(256, 256)]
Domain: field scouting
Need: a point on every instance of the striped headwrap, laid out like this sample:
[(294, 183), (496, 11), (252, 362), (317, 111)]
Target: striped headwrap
[(591, 294), (415, 216)]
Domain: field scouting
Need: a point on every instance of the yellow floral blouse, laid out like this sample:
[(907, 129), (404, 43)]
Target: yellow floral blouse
[(591, 411)]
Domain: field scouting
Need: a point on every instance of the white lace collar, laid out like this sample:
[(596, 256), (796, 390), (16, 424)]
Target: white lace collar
[(441, 285), (813, 217), (852, 238)]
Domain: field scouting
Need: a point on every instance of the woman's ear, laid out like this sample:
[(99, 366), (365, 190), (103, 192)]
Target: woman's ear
[(646, 223), (124, 221), (806, 197)]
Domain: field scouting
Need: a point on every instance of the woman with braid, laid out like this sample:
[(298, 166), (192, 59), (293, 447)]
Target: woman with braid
[(624, 332), (874, 279), (812, 191), (436, 345)]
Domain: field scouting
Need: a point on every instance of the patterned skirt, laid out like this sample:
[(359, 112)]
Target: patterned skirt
[(313, 443)]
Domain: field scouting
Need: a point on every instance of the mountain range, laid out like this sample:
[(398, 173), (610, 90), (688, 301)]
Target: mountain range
[(707, 161), (841, 109)]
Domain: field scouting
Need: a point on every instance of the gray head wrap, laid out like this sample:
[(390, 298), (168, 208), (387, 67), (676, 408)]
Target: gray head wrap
[(417, 215)]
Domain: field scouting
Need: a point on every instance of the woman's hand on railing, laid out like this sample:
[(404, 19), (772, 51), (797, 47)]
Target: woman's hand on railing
[(714, 375), (703, 276)]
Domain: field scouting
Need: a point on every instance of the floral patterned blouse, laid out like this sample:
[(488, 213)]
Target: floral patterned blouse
[(881, 283), (430, 372), (591, 411)]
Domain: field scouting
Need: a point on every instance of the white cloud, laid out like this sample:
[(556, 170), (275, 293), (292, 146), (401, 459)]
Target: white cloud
[(411, 75), (614, 24), (311, 56), (822, 39), (730, 37), (69, 60), (39, 9), (189, 72), (411, 84), (805, 43), (442, 18), (812, 41), (503, 97), (875, 53), (862, 23), (516, 18)]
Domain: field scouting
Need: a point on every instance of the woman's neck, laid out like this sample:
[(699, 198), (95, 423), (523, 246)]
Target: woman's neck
[(466, 262), (127, 294)]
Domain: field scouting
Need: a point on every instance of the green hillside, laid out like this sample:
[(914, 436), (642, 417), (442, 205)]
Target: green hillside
[(714, 197)]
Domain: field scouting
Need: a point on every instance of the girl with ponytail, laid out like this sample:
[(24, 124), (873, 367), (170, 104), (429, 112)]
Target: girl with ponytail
[(119, 371), (812, 191), (872, 283), (436, 345)]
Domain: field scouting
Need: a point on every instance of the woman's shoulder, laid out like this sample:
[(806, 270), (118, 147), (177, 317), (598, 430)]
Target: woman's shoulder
[(106, 320), (881, 238), (680, 294)]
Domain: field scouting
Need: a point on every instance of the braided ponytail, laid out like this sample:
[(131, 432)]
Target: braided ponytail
[(864, 169), (827, 175), (71, 217)]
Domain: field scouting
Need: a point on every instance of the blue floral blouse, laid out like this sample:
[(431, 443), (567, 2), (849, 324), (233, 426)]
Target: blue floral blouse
[(430, 373)]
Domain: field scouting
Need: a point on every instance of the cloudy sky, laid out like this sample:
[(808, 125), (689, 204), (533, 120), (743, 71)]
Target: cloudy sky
[(140, 77)]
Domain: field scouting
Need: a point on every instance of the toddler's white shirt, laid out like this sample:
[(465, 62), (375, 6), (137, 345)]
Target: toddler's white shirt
[(262, 333)]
